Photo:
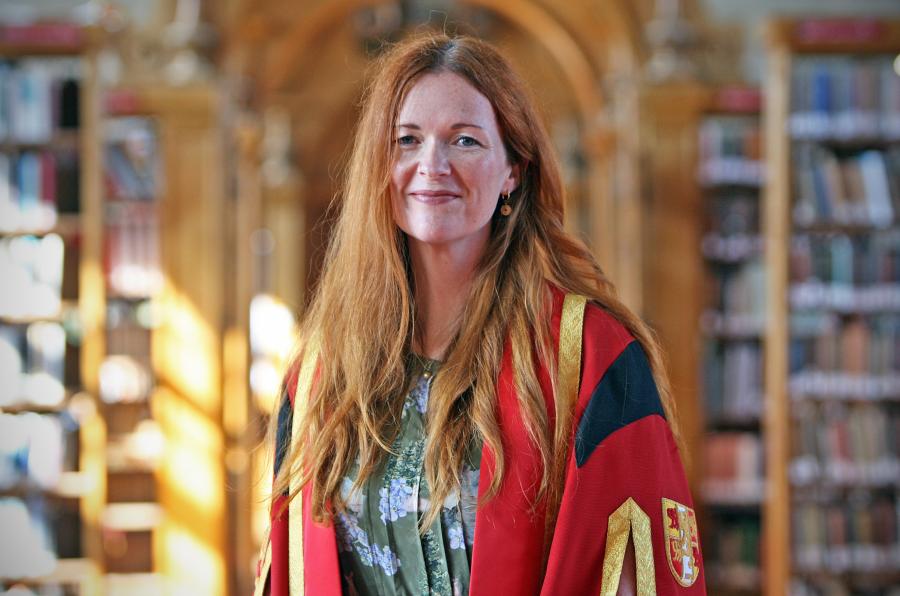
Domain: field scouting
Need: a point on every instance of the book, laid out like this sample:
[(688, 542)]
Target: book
[(733, 468), (40, 97), (730, 151), (840, 98), (732, 381), (132, 259), (855, 188), (32, 269)]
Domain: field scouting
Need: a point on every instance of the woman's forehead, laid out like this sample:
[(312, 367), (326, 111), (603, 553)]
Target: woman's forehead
[(445, 99)]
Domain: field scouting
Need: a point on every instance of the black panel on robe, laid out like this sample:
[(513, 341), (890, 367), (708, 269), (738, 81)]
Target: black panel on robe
[(625, 394), (283, 433)]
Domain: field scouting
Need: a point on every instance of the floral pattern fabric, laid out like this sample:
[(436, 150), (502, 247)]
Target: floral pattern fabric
[(380, 547)]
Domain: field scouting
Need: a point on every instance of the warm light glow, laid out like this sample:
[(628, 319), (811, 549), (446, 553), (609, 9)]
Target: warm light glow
[(197, 478), (265, 380), (123, 379), (147, 443), (187, 404), (132, 517), (272, 326), (897, 65), (91, 457), (194, 454), (191, 566), (234, 383), (186, 352), (273, 333)]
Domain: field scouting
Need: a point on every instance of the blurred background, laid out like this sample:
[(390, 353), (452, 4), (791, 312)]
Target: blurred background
[(166, 168)]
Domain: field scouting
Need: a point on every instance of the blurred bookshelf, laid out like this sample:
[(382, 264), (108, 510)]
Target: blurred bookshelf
[(113, 235), (165, 229), (831, 343), (131, 191), (270, 279), (730, 177), (51, 460)]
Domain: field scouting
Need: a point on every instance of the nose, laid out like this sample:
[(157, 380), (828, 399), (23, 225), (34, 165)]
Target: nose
[(433, 160)]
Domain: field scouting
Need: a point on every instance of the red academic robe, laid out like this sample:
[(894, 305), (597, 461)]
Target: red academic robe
[(624, 481)]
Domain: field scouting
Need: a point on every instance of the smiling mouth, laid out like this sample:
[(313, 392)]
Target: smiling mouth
[(433, 197)]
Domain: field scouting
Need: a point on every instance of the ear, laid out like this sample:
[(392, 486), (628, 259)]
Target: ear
[(512, 181)]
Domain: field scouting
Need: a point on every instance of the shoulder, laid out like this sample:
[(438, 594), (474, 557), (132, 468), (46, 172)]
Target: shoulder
[(617, 385), (601, 325)]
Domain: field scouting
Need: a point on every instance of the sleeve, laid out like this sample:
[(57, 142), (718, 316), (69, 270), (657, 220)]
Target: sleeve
[(625, 480)]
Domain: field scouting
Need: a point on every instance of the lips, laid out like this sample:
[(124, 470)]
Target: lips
[(434, 197)]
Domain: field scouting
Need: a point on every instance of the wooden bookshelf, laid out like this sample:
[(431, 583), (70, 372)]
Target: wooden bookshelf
[(730, 177), (803, 117), (69, 52), (688, 179), (181, 517), (149, 516), (126, 218), (673, 235)]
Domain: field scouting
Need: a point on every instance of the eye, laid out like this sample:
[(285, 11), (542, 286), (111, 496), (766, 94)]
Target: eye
[(467, 141), (406, 140)]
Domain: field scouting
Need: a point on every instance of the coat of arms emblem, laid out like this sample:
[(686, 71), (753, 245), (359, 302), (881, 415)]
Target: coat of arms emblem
[(682, 544)]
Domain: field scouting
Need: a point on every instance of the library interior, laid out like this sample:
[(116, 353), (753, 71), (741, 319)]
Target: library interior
[(168, 170)]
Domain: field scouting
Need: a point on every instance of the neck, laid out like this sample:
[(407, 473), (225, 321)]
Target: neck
[(443, 279)]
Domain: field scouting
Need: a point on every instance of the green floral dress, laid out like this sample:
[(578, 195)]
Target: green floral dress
[(380, 548)]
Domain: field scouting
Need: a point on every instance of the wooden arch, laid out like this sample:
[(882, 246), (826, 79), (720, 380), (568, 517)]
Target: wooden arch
[(574, 61)]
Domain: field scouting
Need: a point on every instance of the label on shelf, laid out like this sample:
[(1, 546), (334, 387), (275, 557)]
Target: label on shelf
[(51, 35), (839, 31)]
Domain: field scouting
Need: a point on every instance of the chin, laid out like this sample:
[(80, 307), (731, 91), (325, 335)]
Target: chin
[(431, 237)]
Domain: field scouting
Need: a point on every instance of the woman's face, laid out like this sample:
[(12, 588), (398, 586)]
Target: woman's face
[(451, 165)]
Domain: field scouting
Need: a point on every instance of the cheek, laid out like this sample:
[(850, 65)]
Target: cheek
[(399, 175), (399, 181), (486, 178), (398, 210)]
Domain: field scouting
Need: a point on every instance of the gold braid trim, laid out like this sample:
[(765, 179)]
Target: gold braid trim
[(570, 331), (568, 379), (628, 519), (295, 508)]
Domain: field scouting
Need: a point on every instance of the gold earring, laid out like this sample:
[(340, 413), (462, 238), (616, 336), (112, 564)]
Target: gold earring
[(505, 208)]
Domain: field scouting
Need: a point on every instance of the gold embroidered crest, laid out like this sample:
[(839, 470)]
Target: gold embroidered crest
[(682, 544)]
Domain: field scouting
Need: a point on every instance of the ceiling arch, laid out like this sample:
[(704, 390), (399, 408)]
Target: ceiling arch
[(292, 51)]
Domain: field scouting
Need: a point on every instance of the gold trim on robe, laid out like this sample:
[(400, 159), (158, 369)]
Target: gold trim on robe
[(295, 508), (570, 331), (628, 519)]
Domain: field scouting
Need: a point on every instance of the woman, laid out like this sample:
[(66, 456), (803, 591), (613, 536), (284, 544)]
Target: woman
[(471, 410)]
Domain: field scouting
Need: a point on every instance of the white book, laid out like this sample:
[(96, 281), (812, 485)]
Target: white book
[(875, 182)]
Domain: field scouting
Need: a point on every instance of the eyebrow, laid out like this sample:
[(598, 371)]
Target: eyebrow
[(453, 127)]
